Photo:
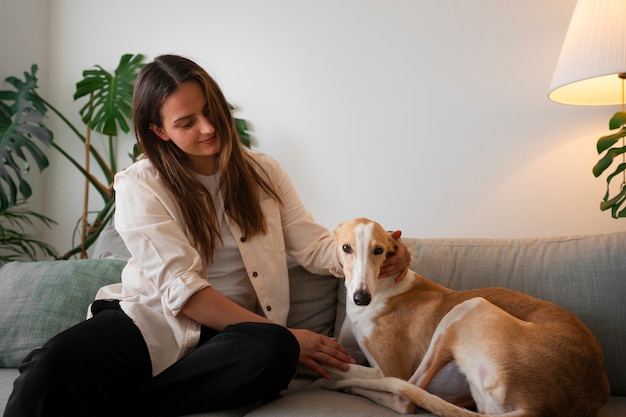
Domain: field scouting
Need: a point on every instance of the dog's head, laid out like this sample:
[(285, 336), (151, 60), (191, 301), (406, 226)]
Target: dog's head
[(362, 245)]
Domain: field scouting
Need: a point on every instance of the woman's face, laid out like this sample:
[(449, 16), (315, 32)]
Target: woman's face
[(185, 120)]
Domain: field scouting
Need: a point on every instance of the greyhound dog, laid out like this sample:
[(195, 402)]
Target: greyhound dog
[(503, 352)]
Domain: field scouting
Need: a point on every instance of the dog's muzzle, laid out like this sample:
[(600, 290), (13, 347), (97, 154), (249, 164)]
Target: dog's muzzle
[(362, 298)]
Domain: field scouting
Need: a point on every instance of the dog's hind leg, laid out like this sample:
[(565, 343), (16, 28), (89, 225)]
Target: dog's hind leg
[(472, 335), (451, 385)]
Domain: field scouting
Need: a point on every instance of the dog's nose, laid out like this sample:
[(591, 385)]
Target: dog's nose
[(362, 298)]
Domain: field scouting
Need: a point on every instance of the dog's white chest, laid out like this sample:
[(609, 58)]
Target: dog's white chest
[(363, 319)]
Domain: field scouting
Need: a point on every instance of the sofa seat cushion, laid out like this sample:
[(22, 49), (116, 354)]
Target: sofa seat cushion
[(313, 401), (41, 299), (7, 376)]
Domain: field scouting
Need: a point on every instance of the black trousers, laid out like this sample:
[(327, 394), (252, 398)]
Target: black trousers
[(101, 367)]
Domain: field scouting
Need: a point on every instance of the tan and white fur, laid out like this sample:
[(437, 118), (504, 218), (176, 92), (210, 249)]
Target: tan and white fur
[(505, 352)]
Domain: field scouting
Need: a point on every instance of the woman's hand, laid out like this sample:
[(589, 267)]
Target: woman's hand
[(317, 349), (398, 263)]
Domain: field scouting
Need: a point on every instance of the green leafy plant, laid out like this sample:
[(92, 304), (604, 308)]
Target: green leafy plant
[(106, 111), (16, 243), (613, 200), (23, 137)]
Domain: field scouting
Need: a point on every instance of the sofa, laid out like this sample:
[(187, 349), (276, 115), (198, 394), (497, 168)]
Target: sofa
[(585, 274)]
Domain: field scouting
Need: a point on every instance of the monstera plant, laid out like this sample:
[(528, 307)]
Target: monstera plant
[(107, 111), (24, 136), (615, 195)]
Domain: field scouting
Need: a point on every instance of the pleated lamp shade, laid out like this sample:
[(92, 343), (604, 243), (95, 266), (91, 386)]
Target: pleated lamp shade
[(593, 55)]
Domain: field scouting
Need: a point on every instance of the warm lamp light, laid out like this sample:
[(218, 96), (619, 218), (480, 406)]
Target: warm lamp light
[(591, 71), (593, 55)]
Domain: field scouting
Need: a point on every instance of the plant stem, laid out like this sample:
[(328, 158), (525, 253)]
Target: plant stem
[(112, 163), (58, 113), (85, 222), (102, 219), (106, 170), (104, 191)]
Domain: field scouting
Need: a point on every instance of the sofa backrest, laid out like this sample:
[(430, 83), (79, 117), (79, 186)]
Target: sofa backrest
[(584, 274)]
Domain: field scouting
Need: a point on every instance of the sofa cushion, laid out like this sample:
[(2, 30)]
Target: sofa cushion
[(312, 301), (41, 299)]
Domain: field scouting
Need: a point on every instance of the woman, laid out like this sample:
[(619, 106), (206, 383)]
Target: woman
[(167, 341)]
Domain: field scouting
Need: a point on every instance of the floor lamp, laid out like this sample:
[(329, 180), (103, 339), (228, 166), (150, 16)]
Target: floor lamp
[(590, 72)]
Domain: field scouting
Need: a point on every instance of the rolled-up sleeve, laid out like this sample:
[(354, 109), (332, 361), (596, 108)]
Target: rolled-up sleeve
[(149, 222)]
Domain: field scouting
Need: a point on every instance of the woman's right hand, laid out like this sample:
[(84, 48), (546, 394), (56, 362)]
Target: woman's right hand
[(317, 349)]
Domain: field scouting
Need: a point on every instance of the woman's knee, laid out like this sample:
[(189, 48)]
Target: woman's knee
[(283, 346), (51, 363), (46, 377), (277, 340), (80, 365), (274, 347)]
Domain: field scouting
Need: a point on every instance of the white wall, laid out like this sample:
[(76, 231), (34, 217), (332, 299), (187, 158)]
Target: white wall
[(428, 115)]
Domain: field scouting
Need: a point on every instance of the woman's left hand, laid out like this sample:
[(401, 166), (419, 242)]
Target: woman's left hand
[(398, 263), (317, 350)]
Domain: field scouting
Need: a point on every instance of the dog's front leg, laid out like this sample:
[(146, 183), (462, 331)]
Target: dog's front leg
[(385, 399), (354, 371)]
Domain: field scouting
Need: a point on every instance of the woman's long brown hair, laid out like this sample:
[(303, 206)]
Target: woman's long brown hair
[(242, 180)]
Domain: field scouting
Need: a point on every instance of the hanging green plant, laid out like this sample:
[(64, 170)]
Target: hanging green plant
[(613, 200)]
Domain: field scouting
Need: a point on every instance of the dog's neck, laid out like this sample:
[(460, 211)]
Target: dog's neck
[(390, 286)]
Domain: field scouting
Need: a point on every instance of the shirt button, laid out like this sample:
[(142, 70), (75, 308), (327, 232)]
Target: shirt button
[(268, 308), (255, 274)]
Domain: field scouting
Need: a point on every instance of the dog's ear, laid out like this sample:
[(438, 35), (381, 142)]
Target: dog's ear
[(393, 247), (336, 230)]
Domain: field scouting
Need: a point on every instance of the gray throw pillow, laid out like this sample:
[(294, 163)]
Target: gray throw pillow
[(40, 299)]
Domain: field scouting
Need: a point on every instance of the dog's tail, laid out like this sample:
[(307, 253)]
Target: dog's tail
[(420, 397)]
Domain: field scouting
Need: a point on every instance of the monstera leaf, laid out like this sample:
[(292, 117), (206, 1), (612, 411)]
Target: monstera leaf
[(607, 145), (23, 138), (110, 95)]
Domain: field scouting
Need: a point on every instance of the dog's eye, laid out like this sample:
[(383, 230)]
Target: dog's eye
[(347, 248), (378, 250)]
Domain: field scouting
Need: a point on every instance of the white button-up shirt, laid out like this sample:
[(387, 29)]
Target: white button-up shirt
[(165, 270)]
